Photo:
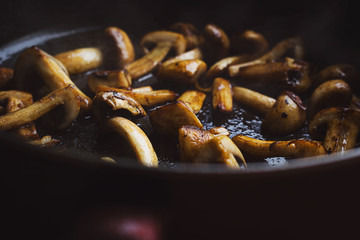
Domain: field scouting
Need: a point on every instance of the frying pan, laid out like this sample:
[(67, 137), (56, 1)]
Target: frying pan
[(46, 193)]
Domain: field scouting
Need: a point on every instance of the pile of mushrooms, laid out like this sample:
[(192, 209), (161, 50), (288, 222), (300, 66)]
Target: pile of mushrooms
[(192, 65)]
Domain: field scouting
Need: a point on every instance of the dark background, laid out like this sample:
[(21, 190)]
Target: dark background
[(44, 195)]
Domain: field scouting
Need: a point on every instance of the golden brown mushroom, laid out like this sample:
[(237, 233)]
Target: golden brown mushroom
[(194, 99), (164, 41), (295, 148), (222, 99), (67, 96), (114, 78), (51, 71)]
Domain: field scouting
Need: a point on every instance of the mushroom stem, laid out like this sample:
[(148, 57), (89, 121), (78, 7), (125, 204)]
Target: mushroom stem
[(164, 41), (222, 99), (51, 71), (254, 100), (65, 96), (194, 99), (80, 60), (295, 148), (137, 139)]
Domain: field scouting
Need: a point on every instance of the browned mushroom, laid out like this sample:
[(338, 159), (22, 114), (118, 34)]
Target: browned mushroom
[(113, 78), (294, 74), (295, 148), (332, 93), (194, 99), (67, 96), (165, 41), (279, 51), (193, 54), (201, 146), (182, 73), (145, 98), (222, 99), (189, 31), (51, 71), (167, 119), (338, 127), (216, 43), (283, 116), (6, 75)]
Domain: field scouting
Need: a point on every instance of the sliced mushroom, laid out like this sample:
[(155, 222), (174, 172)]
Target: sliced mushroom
[(51, 71), (222, 99), (189, 31), (283, 116), (182, 73), (294, 74), (114, 78), (332, 93), (137, 139), (168, 118), (216, 43), (146, 98), (6, 75), (67, 96), (201, 146), (279, 51), (295, 148), (164, 40), (339, 127), (220, 149), (194, 99), (80, 60)]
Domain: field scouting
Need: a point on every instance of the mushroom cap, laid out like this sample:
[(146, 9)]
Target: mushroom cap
[(318, 125), (189, 31), (216, 42), (286, 116), (125, 52), (249, 42), (175, 40), (332, 93)]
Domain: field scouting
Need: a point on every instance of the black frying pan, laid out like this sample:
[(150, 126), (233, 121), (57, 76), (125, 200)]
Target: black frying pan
[(51, 190)]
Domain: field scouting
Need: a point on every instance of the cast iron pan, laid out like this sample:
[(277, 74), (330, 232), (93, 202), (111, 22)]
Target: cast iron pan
[(52, 190)]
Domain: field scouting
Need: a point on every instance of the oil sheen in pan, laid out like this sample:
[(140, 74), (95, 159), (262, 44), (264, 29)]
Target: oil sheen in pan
[(84, 136)]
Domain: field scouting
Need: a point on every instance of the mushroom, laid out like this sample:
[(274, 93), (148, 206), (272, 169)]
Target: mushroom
[(293, 73), (200, 146), (67, 96), (145, 98), (222, 99), (137, 139), (108, 104), (194, 99), (220, 149), (249, 42), (189, 31), (84, 59), (6, 75), (278, 51), (283, 116), (332, 93), (114, 78), (189, 55), (51, 71), (345, 72), (167, 119), (182, 73), (338, 127), (80, 60), (125, 53), (295, 148), (164, 40), (216, 43)]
